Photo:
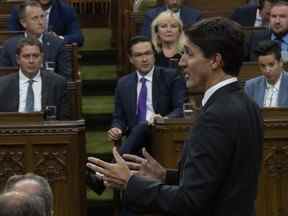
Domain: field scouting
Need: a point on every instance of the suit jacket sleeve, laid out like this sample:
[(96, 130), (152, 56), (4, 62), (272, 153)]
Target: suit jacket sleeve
[(119, 120), (13, 21), (206, 163), (73, 33), (178, 94), (63, 62), (146, 28)]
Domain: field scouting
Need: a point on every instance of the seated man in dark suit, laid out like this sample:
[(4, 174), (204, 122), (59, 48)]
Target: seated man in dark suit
[(221, 159), (60, 18), (270, 89), (278, 31), (148, 93), (187, 15), (137, 104), (55, 56), (252, 14), (33, 89)]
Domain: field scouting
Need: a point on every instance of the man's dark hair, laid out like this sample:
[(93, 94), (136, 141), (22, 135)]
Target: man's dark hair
[(268, 47), (21, 204), (261, 3), (24, 5), (219, 35), (44, 188), (137, 39), (28, 41)]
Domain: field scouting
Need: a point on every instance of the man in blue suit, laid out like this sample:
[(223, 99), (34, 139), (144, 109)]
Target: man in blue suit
[(165, 91), (55, 56), (188, 15), (270, 89), (252, 14), (61, 20)]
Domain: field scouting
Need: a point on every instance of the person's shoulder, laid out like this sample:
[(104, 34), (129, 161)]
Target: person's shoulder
[(60, 4), (166, 72), (155, 11), (190, 10), (54, 40), (13, 40), (254, 81), (56, 77), (126, 79), (5, 80)]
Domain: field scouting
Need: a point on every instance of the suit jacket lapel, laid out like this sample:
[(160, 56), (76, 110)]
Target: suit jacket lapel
[(45, 89), (260, 92), (14, 93), (283, 96), (133, 94), (46, 44), (155, 90)]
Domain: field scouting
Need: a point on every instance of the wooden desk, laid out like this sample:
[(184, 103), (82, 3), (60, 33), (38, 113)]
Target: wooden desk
[(55, 150), (272, 198)]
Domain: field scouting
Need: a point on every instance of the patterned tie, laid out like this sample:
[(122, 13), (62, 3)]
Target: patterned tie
[(29, 107), (141, 108)]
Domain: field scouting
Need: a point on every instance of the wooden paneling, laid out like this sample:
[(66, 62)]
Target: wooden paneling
[(272, 198), (54, 150)]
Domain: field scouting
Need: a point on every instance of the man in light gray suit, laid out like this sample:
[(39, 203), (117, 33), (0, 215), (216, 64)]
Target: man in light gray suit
[(270, 89), (55, 56)]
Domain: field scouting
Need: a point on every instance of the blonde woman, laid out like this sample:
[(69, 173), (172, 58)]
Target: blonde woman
[(168, 39)]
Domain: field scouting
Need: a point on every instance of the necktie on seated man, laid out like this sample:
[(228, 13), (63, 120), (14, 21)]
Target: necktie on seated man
[(29, 107), (142, 108)]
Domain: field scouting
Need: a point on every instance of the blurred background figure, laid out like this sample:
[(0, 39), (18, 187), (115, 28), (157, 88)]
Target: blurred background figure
[(21, 204), (187, 15), (167, 39), (270, 89), (253, 14), (32, 185), (60, 19)]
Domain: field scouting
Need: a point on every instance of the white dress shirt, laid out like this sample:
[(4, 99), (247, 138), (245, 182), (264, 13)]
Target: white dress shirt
[(37, 89), (258, 19), (209, 92), (149, 105), (271, 93)]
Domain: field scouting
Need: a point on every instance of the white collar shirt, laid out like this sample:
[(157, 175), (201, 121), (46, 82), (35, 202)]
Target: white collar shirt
[(209, 92), (37, 89)]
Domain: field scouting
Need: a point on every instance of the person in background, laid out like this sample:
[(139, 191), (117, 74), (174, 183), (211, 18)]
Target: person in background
[(167, 39), (270, 89), (221, 159), (187, 15), (59, 19), (149, 93), (33, 89), (33, 185), (278, 31), (253, 14), (56, 58), (21, 204)]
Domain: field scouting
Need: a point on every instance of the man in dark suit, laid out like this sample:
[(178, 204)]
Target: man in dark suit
[(221, 159), (62, 21), (47, 89), (188, 15), (55, 56), (278, 31), (165, 92), (252, 14)]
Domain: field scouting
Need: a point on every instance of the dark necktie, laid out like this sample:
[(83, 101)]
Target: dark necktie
[(29, 107), (141, 108)]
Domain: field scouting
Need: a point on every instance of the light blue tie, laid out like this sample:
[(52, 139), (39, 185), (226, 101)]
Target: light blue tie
[(29, 107)]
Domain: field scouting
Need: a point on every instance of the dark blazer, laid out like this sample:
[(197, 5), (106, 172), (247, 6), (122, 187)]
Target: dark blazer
[(53, 48), (168, 94), (62, 20), (245, 15), (255, 88), (220, 162), (252, 41), (54, 93), (188, 16)]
